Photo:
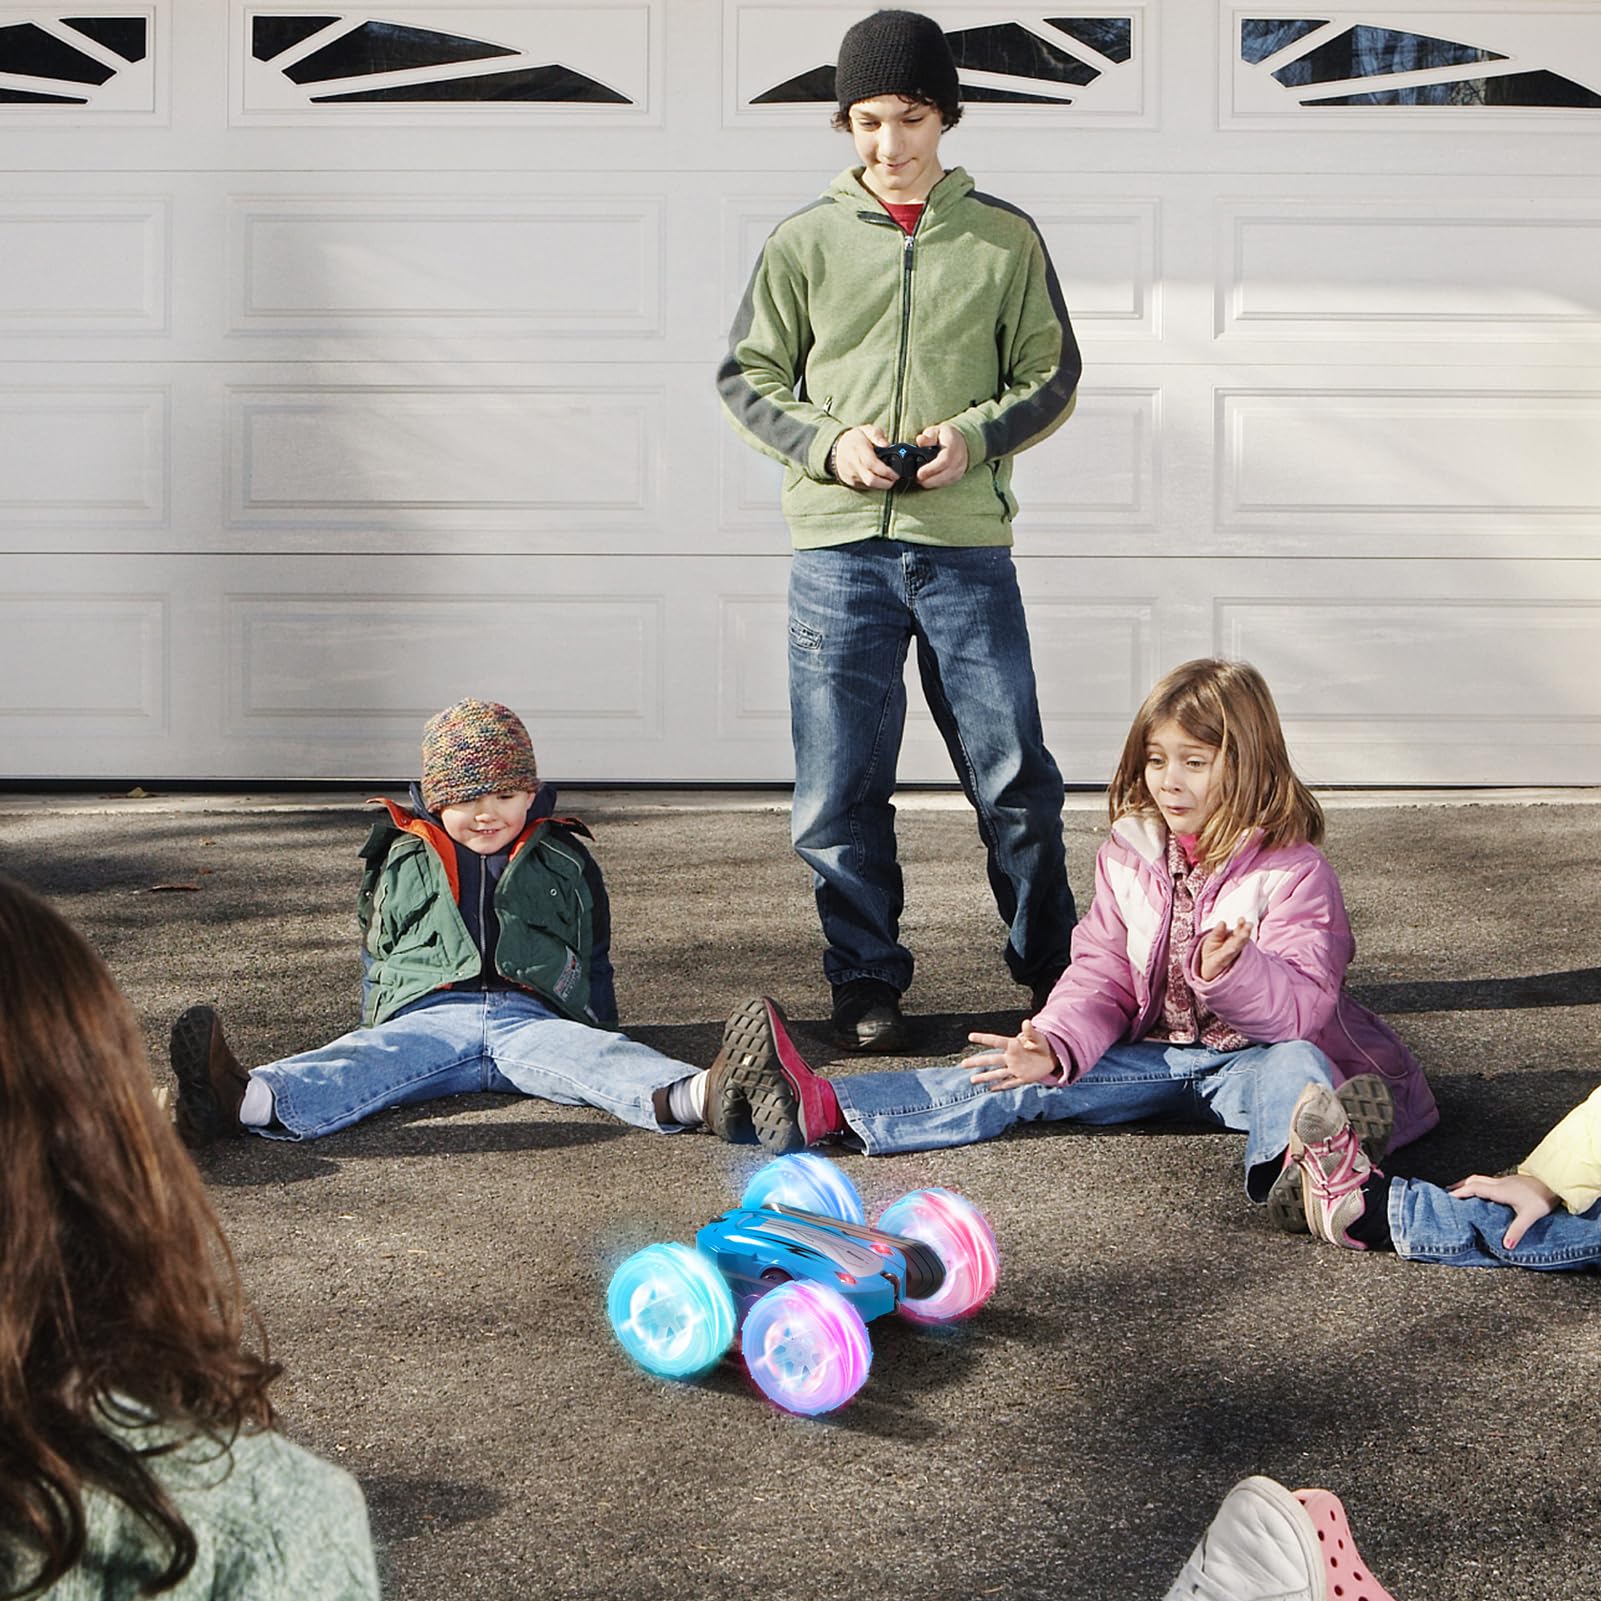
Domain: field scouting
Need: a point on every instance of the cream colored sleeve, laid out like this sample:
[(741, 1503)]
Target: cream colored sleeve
[(1568, 1159)]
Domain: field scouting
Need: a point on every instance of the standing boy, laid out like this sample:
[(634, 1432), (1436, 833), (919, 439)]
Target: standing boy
[(905, 307)]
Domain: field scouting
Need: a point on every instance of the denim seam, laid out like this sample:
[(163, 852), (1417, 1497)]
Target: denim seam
[(869, 772)]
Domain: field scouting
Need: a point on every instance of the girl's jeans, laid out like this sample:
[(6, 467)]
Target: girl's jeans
[(853, 611), (1254, 1090), (452, 1043), (1429, 1224)]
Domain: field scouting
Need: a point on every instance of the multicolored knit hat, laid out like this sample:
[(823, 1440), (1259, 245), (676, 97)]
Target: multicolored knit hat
[(476, 747)]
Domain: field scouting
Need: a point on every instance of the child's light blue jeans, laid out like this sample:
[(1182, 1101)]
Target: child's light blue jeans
[(1253, 1090), (452, 1043), (1429, 1224)]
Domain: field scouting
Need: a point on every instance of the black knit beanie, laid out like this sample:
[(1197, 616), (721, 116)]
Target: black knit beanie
[(896, 53)]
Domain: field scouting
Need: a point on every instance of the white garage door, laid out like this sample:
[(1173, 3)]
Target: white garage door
[(360, 358)]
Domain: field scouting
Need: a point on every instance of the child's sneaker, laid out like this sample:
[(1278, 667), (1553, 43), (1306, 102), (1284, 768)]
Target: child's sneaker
[(1261, 1546), (1371, 1113), (747, 1044), (1268, 1545), (787, 1104), (211, 1083), (1334, 1167)]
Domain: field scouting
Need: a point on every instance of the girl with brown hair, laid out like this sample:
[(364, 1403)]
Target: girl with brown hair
[(1207, 982), (137, 1449)]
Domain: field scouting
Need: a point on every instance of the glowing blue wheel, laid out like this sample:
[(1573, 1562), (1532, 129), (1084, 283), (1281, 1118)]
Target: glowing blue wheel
[(671, 1310), (808, 1182), (963, 1242), (806, 1347)]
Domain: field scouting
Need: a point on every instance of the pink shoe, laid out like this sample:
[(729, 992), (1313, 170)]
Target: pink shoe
[(790, 1106), (1346, 1577), (1333, 1165)]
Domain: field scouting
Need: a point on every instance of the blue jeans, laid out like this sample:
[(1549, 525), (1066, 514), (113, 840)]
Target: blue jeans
[(1254, 1090), (453, 1043), (1429, 1224), (853, 611)]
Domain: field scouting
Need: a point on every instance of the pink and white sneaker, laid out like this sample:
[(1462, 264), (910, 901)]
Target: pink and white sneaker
[(1266, 1544), (790, 1106), (1333, 1165)]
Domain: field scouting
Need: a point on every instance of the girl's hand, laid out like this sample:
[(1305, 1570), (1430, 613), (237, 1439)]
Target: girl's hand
[(1011, 1061), (1529, 1199), (1221, 946)]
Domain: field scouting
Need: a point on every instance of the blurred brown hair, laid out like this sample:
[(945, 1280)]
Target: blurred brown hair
[(1226, 704), (119, 1300)]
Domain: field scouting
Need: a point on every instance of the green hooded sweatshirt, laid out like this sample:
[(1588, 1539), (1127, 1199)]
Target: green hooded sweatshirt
[(848, 321)]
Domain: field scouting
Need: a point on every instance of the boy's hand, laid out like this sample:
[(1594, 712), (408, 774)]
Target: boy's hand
[(1011, 1061), (1528, 1197), (856, 466), (1220, 948), (950, 464)]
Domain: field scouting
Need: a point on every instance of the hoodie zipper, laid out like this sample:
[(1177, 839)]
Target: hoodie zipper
[(900, 362)]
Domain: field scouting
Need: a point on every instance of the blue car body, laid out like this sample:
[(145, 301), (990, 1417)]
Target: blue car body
[(755, 1250)]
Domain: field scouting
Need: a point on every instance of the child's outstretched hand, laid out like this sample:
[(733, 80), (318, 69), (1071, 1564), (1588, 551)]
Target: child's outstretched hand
[(1011, 1060), (1529, 1199), (1220, 947)]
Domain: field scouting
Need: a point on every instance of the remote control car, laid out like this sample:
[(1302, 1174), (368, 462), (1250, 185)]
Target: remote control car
[(796, 1270), (906, 460)]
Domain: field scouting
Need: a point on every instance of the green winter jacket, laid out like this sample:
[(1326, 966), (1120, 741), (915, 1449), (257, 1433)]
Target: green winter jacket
[(848, 322), (417, 941)]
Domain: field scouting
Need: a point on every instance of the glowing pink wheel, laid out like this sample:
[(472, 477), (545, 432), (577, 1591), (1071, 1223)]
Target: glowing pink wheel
[(806, 1347), (963, 1242)]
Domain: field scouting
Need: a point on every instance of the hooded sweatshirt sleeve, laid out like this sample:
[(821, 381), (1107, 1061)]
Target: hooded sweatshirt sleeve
[(1039, 357), (1568, 1160), (760, 379)]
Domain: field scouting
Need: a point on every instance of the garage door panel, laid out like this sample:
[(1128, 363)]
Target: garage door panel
[(83, 455), (1496, 468), (53, 683), (1460, 48), (486, 454), (1457, 270), (1388, 680), (312, 666), (83, 267), (326, 666), (446, 268)]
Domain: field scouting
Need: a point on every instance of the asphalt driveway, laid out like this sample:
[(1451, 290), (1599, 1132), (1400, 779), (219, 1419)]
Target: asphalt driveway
[(433, 1279)]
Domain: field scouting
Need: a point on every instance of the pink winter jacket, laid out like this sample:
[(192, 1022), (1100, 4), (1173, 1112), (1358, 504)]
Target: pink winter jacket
[(1286, 984)]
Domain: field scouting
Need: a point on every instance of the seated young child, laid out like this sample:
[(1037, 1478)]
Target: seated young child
[(1208, 977), (1547, 1215), (486, 936)]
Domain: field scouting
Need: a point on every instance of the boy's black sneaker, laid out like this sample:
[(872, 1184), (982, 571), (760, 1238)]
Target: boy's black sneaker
[(867, 1017), (211, 1083), (1040, 990)]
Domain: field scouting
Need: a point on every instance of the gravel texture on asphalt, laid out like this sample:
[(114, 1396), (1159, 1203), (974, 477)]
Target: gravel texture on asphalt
[(433, 1279)]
